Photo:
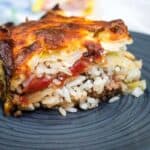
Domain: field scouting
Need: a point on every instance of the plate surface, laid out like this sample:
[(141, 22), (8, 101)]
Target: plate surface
[(123, 125)]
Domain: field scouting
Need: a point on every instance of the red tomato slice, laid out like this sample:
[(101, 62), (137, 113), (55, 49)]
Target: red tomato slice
[(37, 84), (79, 67)]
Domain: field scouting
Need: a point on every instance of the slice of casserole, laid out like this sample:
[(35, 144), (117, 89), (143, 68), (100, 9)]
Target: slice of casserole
[(66, 63)]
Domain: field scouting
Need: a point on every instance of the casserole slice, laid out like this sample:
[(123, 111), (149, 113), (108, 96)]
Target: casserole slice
[(66, 63)]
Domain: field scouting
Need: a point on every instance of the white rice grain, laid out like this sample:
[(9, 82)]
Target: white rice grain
[(114, 99), (72, 109), (66, 94), (99, 85), (72, 92), (95, 71), (62, 111), (84, 106), (77, 81), (92, 102), (87, 85)]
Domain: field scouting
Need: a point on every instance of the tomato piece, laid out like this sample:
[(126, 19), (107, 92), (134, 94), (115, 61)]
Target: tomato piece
[(79, 67), (94, 53), (37, 84)]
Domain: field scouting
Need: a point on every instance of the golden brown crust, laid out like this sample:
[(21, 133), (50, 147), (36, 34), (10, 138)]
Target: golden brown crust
[(54, 32)]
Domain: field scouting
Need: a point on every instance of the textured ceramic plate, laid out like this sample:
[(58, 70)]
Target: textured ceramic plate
[(123, 125)]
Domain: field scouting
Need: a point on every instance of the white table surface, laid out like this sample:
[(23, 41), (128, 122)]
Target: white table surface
[(135, 13)]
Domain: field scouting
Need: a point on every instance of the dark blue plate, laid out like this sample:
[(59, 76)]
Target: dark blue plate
[(123, 125)]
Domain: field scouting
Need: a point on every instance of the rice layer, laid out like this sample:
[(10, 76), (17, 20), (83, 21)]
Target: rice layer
[(85, 92)]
